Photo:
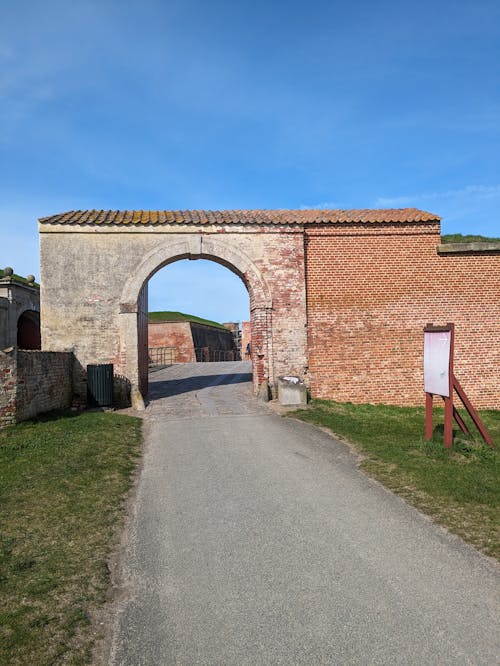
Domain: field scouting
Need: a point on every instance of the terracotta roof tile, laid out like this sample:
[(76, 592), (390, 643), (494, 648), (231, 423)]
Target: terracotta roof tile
[(197, 217)]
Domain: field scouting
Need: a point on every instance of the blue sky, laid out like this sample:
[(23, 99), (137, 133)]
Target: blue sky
[(191, 104)]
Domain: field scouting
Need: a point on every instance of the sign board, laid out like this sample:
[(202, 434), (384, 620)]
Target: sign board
[(437, 347)]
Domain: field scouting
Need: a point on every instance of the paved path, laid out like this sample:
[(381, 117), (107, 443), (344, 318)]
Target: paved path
[(255, 540)]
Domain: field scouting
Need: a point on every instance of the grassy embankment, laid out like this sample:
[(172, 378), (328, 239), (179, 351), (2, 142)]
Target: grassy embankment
[(180, 316), (62, 487), (470, 238), (459, 488)]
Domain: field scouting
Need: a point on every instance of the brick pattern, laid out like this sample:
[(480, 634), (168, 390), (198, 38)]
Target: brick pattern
[(44, 382), (173, 334), (33, 382), (342, 303), (8, 387), (246, 337), (370, 294)]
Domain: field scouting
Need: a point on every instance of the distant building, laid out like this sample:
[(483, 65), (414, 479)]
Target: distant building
[(234, 327), (19, 311), (246, 338), (175, 337)]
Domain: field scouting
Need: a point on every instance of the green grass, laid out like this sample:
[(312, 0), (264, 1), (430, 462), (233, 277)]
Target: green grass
[(459, 488), (459, 238), (62, 485), (180, 316)]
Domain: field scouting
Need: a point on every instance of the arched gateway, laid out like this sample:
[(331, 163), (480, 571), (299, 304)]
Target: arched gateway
[(96, 266), (133, 302), (339, 298)]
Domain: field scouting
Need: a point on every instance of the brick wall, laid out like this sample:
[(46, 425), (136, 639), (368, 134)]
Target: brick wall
[(173, 334), (246, 337), (370, 292), (33, 382), (8, 387), (341, 304)]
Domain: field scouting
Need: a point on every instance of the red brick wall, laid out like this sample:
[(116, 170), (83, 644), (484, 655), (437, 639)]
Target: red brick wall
[(246, 337), (33, 382), (173, 334), (8, 387), (370, 292), (44, 382)]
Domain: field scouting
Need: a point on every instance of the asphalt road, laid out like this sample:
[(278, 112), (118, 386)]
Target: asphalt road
[(256, 540)]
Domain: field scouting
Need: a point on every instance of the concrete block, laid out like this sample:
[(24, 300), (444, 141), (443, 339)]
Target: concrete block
[(291, 391)]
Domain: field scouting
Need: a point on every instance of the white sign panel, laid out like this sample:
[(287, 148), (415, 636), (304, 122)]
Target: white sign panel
[(437, 362)]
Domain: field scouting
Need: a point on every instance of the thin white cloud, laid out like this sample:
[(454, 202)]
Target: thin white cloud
[(323, 205), (475, 191)]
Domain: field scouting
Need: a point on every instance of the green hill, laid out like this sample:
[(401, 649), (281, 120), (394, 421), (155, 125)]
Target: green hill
[(181, 316), (459, 238)]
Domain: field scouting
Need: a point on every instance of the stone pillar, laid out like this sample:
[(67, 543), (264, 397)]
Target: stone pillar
[(262, 351)]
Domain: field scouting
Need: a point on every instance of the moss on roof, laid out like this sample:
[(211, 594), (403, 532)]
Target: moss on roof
[(181, 316), (459, 238), (18, 278)]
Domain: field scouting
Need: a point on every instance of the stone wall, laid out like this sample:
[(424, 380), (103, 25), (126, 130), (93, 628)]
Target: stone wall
[(371, 291), (212, 338), (33, 382), (173, 334), (8, 387)]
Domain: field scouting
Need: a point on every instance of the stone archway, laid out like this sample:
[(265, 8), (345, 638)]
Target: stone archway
[(134, 311), (95, 268)]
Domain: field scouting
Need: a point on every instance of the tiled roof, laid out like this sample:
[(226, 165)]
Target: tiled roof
[(200, 217)]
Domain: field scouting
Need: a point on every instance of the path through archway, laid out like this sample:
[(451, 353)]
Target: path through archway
[(134, 305)]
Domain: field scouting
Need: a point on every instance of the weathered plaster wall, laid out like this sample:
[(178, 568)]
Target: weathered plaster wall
[(91, 278), (370, 292)]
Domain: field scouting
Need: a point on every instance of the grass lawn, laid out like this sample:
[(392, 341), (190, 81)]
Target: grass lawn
[(62, 485), (459, 488)]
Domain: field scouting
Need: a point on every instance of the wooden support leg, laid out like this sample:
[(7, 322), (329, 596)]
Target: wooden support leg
[(460, 421), (428, 416), (448, 422), (474, 415)]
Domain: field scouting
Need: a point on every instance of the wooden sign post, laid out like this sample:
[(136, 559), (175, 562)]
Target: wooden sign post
[(439, 379)]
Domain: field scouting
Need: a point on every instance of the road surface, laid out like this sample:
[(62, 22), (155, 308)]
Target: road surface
[(256, 540)]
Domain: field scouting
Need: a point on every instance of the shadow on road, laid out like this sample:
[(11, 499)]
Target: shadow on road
[(165, 388)]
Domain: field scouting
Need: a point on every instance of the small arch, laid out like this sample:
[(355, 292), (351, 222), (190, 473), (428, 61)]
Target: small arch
[(28, 330)]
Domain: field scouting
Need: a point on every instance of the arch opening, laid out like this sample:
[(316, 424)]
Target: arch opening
[(134, 310), (195, 314), (28, 330)]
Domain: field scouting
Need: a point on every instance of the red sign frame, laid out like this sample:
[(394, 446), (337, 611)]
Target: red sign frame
[(431, 381)]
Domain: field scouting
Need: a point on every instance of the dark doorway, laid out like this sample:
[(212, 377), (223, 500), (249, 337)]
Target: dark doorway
[(28, 330)]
